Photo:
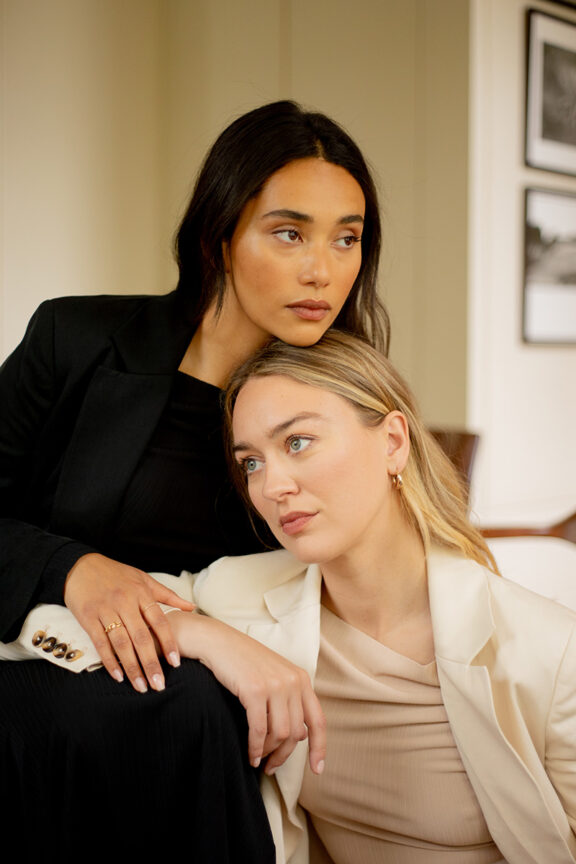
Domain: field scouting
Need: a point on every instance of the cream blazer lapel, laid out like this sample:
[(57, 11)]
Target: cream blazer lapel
[(520, 805)]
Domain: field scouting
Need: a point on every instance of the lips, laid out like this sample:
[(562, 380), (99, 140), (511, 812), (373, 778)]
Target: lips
[(293, 523), (310, 310)]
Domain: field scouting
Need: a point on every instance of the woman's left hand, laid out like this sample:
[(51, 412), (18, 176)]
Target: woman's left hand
[(281, 706)]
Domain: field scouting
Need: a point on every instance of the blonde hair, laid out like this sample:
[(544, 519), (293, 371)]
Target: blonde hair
[(433, 494)]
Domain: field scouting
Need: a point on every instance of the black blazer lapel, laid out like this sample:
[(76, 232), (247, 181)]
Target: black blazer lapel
[(122, 406)]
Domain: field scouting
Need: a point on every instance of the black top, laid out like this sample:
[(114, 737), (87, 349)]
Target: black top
[(180, 511)]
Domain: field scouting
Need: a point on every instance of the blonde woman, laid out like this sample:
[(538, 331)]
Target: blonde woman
[(448, 692)]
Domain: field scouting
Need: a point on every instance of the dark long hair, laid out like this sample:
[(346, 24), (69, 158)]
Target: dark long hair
[(245, 155)]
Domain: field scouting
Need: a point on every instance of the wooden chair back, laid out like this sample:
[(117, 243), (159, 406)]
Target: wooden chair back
[(460, 447), (564, 530)]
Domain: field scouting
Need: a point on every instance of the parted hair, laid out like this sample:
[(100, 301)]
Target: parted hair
[(242, 159), (433, 494)]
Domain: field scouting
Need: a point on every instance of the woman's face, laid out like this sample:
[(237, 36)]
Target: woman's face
[(295, 254), (315, 472)]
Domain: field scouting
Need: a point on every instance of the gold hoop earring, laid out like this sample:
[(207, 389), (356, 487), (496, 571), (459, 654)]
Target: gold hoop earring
[(397, 481)]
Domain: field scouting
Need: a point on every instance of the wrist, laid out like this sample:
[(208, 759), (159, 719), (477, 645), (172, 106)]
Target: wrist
[(191, 631)]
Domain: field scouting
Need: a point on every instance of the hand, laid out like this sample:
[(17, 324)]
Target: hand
[(100, 592), (280, 704)]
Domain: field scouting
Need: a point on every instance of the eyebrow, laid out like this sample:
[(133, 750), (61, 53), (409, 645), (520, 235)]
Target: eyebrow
[(304, 217), (281, 427)]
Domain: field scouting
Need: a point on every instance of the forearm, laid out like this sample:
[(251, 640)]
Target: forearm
[(33, 568)]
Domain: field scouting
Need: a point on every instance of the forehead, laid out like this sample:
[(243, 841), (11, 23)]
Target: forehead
[(315, 181), (266, 403)]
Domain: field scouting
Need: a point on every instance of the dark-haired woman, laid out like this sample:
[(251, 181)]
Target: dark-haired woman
[(111, 466)]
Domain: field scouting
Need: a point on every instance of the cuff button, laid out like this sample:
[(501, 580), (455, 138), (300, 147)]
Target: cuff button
[(48, 644), (60, 650)]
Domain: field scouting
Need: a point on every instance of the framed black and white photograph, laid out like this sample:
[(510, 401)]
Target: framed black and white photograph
[(551, 94), (549, 308)]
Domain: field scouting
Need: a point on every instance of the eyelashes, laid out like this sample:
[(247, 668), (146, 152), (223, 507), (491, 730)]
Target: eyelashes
[(298, 443), (294, 444), (292, 237)]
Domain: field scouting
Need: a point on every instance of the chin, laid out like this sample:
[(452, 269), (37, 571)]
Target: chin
[(307, 553), (305, 340)]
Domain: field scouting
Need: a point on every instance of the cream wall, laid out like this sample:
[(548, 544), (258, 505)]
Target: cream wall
[(108, 108), (80, 151), (521, 398)]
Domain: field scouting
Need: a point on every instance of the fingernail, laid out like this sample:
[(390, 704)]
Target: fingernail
[(320, 767), (140, 685), (117, 674), (256, 762), (271, 771), (174, 659), (158, 682)]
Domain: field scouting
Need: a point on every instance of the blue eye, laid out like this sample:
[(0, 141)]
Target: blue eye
[(250, 465), (297, 443)]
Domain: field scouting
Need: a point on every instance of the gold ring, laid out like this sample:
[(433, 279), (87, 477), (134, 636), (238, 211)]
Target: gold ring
[(145, 609), (113, 626)]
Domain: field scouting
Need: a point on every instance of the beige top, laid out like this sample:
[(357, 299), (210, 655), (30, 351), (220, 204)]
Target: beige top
[(394, 788)]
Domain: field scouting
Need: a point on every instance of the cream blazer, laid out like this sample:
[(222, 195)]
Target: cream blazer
[(506, 662)]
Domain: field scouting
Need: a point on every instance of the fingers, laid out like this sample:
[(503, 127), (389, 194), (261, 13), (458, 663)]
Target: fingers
[(316, 724), (285, 720), (161, 594), (134, 647), (104, 648), (257, 717), (158, 623), (118, 606), (290, 714)]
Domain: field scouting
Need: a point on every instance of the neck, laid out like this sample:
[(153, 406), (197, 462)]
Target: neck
[(385, 594), (220, 344)]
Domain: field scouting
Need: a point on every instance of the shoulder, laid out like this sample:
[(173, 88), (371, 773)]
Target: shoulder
[(74, 331), (465, 579), (101, 312), (73, 320), (515, 600), (472, 607), (240, 583)]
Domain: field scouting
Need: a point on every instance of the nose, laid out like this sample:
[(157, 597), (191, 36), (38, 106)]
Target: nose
[(315, 270), (278, 481)]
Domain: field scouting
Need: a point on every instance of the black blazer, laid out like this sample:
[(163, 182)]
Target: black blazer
[(80, 398)]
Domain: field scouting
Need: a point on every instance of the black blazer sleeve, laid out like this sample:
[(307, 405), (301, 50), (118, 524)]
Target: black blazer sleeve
[(29, 389)]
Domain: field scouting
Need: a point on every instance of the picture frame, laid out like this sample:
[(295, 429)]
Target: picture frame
[(549, 293), (551, 94)]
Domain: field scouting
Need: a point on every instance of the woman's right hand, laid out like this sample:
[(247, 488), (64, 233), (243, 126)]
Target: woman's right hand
[(101, 592), (281, 706)]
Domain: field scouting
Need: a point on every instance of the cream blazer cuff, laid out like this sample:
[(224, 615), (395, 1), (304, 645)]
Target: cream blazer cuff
[(51, 632)]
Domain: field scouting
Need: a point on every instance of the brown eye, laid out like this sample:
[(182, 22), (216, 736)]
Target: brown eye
[(288, 235), (348, 241)]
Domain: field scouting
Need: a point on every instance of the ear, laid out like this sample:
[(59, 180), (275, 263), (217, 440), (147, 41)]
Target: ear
[(397, 437)]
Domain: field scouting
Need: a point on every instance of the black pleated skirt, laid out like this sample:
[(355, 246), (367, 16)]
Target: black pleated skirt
[(87, 763)]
